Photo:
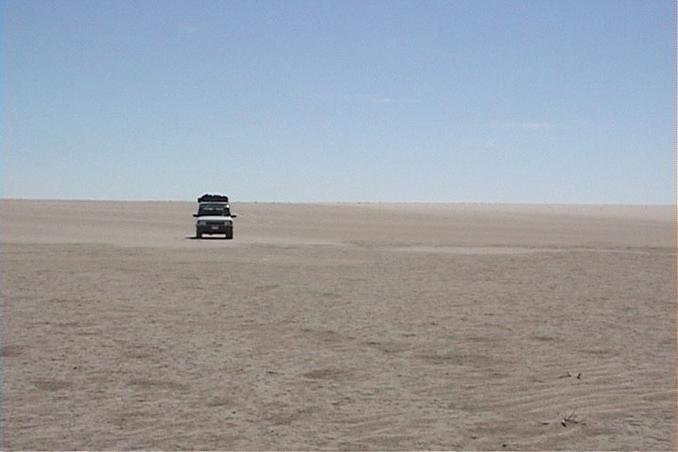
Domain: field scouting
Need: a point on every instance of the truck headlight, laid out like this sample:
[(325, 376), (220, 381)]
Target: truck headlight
[(201, 223)]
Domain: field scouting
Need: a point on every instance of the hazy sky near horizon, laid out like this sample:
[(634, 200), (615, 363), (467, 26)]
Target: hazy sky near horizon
[(459, 101)]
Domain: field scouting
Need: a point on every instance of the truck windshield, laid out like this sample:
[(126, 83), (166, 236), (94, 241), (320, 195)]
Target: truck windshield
[(213, 209)]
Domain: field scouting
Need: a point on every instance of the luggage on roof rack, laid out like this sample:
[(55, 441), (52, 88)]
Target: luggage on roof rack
[(212, 198)]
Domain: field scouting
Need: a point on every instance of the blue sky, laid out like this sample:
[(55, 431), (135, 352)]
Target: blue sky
[(461, 101)]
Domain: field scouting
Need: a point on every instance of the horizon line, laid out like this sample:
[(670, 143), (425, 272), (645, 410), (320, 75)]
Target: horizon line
[(540, 203)]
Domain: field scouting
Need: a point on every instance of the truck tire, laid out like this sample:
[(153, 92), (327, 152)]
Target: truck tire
[(229, 234), (198, 234)]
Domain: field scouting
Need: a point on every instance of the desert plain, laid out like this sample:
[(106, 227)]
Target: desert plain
[(338, 327)]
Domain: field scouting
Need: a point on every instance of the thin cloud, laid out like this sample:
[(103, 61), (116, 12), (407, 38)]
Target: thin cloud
[(186, 29), (368, 99), (530, 126), (392, 100)]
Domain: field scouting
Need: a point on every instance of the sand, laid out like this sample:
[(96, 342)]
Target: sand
[(347, 326)]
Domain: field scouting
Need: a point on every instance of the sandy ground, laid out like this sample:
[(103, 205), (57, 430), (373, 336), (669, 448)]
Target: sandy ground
[(350, 326)]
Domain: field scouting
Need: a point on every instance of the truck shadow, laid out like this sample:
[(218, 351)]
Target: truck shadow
[(192, 237)]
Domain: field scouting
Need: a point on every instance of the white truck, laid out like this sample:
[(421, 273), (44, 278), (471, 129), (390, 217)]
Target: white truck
[(214, 216)]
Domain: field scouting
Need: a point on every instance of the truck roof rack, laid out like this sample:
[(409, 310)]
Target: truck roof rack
[(207, 197)]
